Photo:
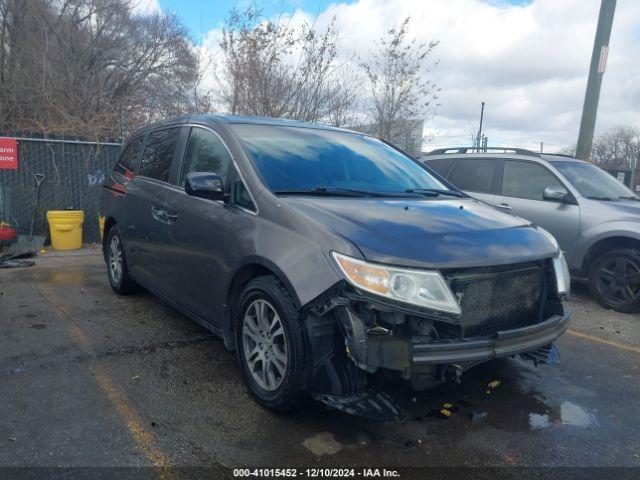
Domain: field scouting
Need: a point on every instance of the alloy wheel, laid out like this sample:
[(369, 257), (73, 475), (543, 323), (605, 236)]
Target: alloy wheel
[(618, 280), (265, 345), (115, 259)]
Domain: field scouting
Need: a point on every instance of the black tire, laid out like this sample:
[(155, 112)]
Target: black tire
[(121, 283), (269, 291), (614, 280)]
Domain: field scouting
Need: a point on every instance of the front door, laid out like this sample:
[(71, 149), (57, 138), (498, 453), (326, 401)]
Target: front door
[(195, 262), (523, 185)]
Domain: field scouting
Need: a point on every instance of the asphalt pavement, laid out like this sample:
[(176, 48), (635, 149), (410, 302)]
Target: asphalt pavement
[(91, 379)]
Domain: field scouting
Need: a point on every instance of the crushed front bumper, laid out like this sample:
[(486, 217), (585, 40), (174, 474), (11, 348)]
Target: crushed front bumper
[(345, 352), (501, 344)]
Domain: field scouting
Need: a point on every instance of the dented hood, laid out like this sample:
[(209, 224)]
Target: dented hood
[(437, 233)]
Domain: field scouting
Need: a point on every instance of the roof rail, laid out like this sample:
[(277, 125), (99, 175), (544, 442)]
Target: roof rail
[(567, 155), (519, 151)]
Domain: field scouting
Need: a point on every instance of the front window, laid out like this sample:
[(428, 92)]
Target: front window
[(205, 153), (593, 182), (298, 159), (527, 180)]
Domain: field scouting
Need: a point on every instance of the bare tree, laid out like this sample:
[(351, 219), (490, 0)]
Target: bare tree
[(398, 85), (617, 148), (72, 67), (273, 69)]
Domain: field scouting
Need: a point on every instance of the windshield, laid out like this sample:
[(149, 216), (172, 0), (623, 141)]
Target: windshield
[(593, 182), (298, 159)]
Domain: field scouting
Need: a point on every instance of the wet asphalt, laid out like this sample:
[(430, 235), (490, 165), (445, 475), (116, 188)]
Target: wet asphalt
[(91, 379)]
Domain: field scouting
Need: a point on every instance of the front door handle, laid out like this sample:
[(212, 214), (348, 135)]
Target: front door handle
[(504, 206), (159, 213)]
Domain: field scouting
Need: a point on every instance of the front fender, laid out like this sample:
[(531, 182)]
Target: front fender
[(299, 257), (602, 231)]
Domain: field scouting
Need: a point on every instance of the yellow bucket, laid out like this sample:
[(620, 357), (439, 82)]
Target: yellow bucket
[(66, 228)]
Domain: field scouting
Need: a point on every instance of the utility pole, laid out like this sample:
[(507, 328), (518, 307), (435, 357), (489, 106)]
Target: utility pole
[(596, 72), (634, 165), (541, 147), (122, 125), (480, 129)]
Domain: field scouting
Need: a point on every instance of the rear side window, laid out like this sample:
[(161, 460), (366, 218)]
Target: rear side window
[(526, 180), (127, 163), (205, 153), (474, 175), (158, 154), (440, 165)]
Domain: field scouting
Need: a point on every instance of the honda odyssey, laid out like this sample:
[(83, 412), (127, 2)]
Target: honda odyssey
[(324, 257)]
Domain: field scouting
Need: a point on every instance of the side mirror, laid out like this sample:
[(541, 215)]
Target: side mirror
[(204, 185), (555, 192)]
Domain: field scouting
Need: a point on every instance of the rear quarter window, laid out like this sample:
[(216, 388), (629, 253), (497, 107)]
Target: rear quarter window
[(129, 158)]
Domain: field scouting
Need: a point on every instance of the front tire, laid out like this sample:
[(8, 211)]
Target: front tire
[(117, 271), (270, 344), (614, 280)]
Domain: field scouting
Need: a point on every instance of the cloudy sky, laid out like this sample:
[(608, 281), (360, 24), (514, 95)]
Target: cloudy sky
[(528, 60)]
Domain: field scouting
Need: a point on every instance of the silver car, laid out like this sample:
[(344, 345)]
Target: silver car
[(595, 218)]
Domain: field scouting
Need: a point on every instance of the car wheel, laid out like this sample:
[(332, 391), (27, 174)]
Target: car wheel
[(270, 344), (614, 280), (117, 271)]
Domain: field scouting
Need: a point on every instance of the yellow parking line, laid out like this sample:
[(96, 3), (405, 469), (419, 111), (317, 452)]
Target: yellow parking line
[(143, 438), (621, 346)]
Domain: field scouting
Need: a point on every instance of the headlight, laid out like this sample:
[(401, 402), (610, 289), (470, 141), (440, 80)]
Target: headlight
[(560, 267), (417, 287), (563, 278)]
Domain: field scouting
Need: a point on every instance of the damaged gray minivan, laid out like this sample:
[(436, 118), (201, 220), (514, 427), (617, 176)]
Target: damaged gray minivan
[(324, 257)]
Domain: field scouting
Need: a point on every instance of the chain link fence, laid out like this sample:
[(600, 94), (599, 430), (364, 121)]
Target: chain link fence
[(73, 175)]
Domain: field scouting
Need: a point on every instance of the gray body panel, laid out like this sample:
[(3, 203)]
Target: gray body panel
[(146, 236)]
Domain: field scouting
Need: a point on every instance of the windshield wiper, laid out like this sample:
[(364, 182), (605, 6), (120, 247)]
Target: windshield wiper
[(316, 191), (606, 199), (434, 192), (337, 191), (629, 198)]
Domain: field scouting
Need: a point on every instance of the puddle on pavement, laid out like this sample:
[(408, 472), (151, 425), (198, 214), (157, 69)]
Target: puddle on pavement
[(572, 414), (568, 414), (538, 421)]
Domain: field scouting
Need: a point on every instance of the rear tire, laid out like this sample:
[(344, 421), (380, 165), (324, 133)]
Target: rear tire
[(270, 344), (614, 280), (117, 271)]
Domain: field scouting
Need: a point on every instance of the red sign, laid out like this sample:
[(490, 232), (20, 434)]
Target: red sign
[(8, 154)]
